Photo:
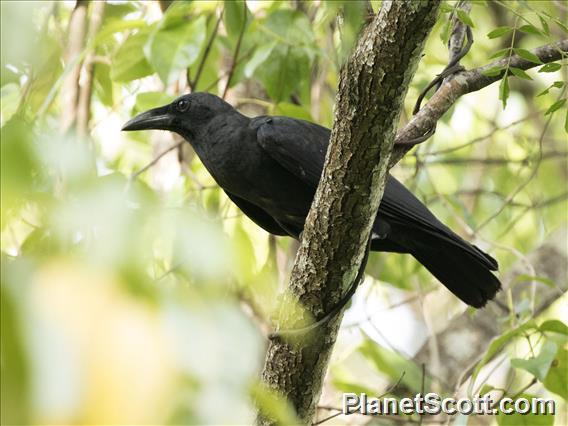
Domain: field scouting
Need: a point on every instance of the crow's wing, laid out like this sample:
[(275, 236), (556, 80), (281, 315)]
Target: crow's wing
[(300, 147), (297, 145), (257, 215)]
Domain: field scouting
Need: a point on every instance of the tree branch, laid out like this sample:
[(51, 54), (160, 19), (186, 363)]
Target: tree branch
[(75, 43), (461, 84), (373, 84), (86, 89)]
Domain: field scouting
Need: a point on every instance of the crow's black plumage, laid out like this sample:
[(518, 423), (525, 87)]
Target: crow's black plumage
[(270, 167)]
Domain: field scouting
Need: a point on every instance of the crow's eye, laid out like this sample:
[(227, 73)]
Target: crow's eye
[(182, 105)]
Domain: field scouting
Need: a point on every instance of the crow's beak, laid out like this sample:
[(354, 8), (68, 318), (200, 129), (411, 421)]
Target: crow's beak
[(157, 118)]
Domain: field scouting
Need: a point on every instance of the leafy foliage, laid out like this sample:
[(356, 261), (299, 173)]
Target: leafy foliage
[(123, 276)]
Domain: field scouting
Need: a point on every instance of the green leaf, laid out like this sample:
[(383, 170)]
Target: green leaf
[(538, 366), (235, 18), (148, 100), (500, 52), (446, 8), (493, 71), (102, 84), (274, 406), (530, 29), (392, 364), (10, 95), (529, 278), (504, 91), (486, 389), (464, 17), (544, 24), (499, 343), (351, 387), (129, 62), (291, 26), (279, 73), (499, 32), (260, 55), (172, 49), (556, 84), (17, 373), (529, 56), (557, 378), (552, 67), (517, 72), (292, 110), (561, 25), (554, 326), (555, 106)]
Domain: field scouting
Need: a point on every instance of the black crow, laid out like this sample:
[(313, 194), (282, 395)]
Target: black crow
[(270, 168)]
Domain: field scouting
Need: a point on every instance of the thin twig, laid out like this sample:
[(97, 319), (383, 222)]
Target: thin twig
[(385, 393), (86, 88), (155, 160), (528, 180), (241, 59), (193, 84), (237, 49)]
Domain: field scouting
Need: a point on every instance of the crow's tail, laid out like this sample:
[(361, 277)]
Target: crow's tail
[(462, 267)]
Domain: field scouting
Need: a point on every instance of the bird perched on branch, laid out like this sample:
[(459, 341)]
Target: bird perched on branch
[(270, 168)]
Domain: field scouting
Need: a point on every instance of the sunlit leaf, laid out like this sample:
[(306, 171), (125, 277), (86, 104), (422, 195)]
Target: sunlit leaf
[(499, 53), (235, 17), (493, 72), (149, 100), (129, 62), (102, 83), (529, 56), (10, 95), (274, 406), (291, 110), (499, 32), (260, 55), (172, 49), (554, 326), (278, 71), (464, 17), (531, 278), (504, 91), (520, 73), (538, 366), (555, 106), (552, 67), (392, 364), (530, 29), (557, 378), (499, 343)]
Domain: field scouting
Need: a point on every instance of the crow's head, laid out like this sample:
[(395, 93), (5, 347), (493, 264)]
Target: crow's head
[(187, 115)]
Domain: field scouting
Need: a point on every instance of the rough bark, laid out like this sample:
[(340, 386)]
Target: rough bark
[(75, 44), (372, 88), (467, 336)]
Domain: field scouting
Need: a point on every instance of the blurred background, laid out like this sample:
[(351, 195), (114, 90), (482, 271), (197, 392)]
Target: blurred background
[(134, 292)]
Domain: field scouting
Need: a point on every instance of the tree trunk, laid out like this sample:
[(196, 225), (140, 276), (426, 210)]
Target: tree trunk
[(372, 88)]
